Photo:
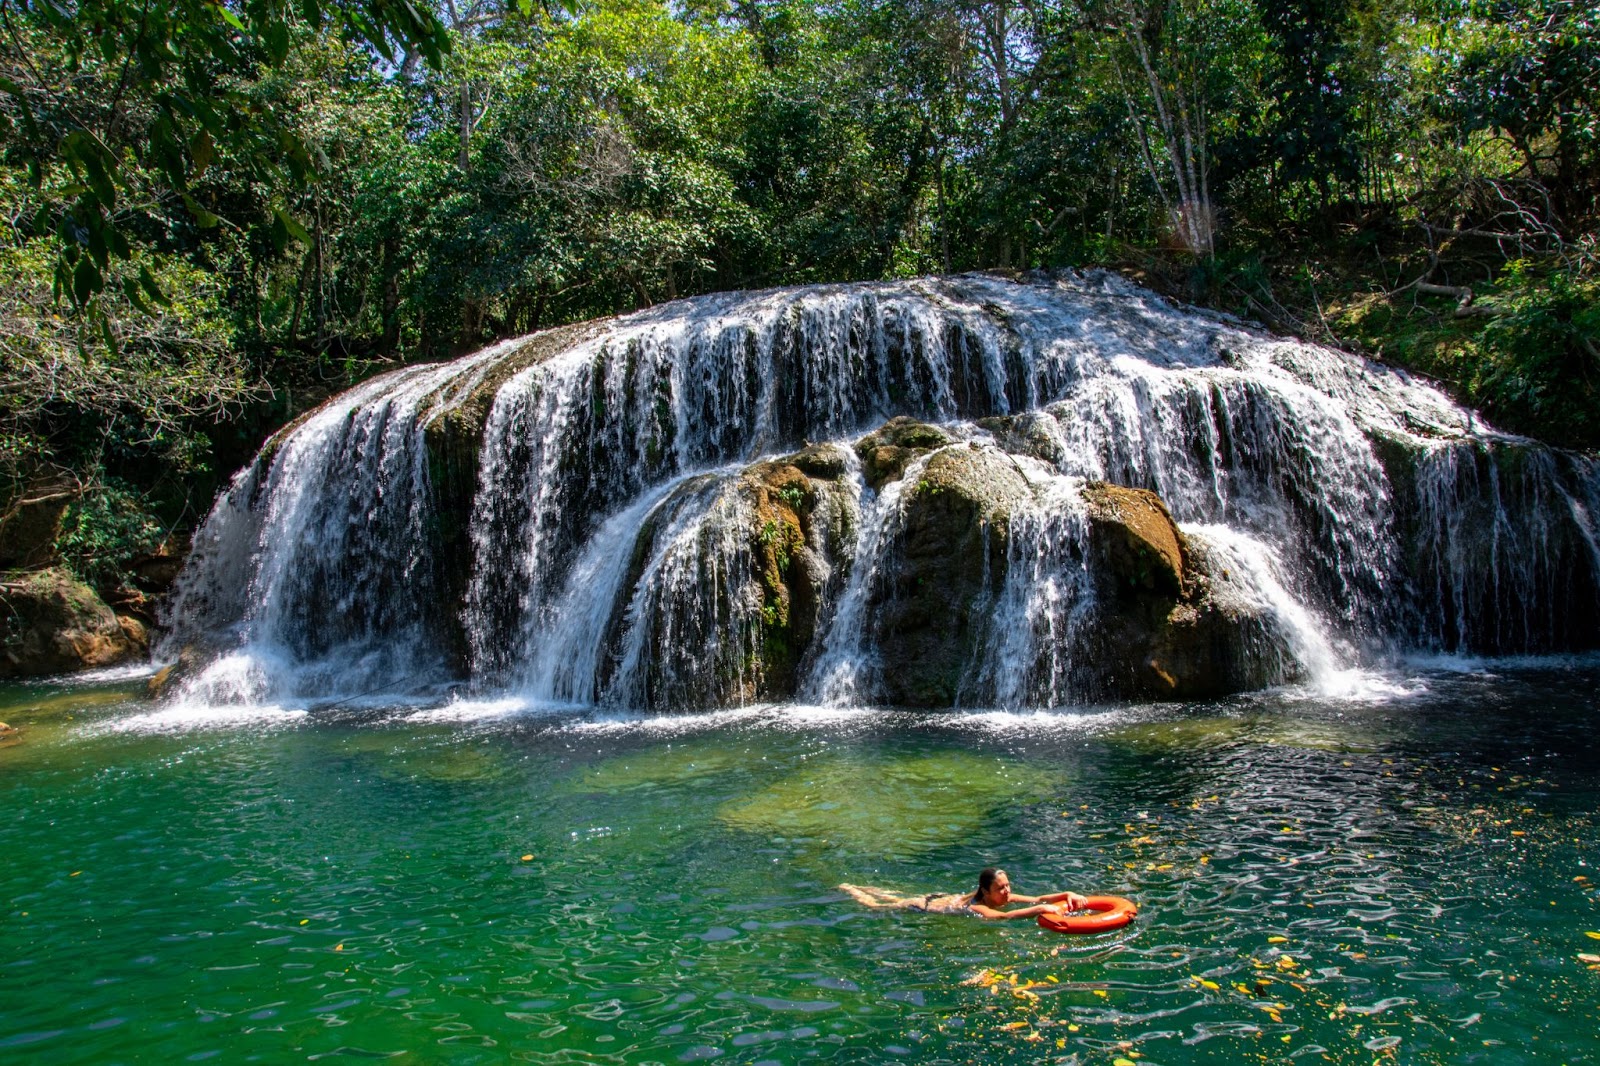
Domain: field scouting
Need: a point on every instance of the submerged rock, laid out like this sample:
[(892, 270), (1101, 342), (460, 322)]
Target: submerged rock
[(55, 624)]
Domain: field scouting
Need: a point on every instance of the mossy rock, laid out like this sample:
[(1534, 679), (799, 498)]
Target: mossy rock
[(1139, 543), (55, 624), (886, 451), (822, 461), (1173, 624), (932, 603), (782, 498), (1032, 434)]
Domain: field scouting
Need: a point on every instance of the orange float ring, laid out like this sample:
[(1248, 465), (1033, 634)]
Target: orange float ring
[(1104, 913)]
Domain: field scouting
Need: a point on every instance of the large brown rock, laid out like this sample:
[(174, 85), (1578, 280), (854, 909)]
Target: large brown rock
[(932, 602), (1173, 622), (1139, 543), (54, 624)]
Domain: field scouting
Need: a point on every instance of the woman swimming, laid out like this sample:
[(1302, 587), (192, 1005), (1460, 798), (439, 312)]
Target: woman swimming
[(994, 892)]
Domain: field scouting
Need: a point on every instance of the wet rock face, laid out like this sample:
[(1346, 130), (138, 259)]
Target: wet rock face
[(886, 451), (936, 592), (789, 571), (1173, 623), (55, 624), (802, 523), (727, 583), (1139, 545)]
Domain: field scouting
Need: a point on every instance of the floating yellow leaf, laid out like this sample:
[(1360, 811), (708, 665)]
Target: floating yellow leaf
[(1102, 993), (527, 858), (1072, 1028), (1122, 1062), (1592, 936), (1277, 940), (338, 947), (305, 921), (1014, 1025)]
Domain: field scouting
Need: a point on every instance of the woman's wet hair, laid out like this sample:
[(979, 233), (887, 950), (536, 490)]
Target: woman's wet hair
[(986, 881)]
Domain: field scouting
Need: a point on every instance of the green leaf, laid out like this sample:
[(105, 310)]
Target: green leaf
[(202, 218), (147, 281), (276, 39), (296, 230), (130, 289), (202, 150), (110, 336), (230, 18), (86, 281)]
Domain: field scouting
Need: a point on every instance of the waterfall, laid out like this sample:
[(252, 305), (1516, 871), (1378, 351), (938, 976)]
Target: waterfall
[(844, 673), (1047, 598), (617, 514), (316, 569)]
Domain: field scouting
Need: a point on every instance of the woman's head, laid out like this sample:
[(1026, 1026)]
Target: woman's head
[(994, 887)]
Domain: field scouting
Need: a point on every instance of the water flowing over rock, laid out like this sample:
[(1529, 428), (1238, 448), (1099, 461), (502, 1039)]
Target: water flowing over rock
[(962, 490)]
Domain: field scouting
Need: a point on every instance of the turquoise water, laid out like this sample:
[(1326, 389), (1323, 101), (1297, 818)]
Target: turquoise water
[(1406, 877)]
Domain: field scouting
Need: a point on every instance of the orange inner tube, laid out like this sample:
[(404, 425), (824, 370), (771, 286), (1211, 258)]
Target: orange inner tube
[(1104, 912)]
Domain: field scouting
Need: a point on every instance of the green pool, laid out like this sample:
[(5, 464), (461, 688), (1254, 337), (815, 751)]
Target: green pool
[(1408, 876)]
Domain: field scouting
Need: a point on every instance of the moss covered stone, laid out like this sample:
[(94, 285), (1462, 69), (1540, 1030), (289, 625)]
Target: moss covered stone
[(53, 623), (886, 451)]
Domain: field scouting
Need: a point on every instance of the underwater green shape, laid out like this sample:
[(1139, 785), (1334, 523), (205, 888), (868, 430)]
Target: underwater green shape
[(442, 758), (1280, 731), (888, 804), (680, 764)]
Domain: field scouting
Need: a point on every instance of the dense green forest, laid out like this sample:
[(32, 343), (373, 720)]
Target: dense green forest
[(219, 212)]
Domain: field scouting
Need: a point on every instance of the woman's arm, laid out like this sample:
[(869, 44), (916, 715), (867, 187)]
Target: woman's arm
[(1073, 901), (983, 911)]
